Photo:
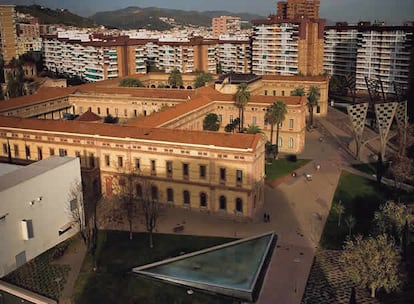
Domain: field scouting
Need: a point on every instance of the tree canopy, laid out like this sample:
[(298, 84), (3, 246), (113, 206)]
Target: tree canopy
[(299, 91), (276, 115), (313, 98), (372, 263), (175, 79), (211, 122), (242, 97), (253, 129), (131, 82), (202, 78)]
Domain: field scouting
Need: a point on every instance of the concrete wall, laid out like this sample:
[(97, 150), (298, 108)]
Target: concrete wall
[(43, 199)]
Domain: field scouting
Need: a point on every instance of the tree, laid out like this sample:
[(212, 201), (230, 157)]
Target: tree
[(202, 78), (380, 168), (242, 97), (14, 85), (276, 115), (211, 122), (372, 263), (150, 207), (313, 97), (110, 119), (338, 210), (253, 129), (219, 68), (300, 91), (1, 92), (350, 223), (400, 168), (391, 218), (175, 79), (128, 198), (131, 82)]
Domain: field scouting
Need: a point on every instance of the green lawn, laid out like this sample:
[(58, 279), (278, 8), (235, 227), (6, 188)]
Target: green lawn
[(369, 168), (282, 167), (117, 255), (361, 197)]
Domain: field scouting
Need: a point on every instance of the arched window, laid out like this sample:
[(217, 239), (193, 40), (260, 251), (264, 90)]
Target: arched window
[(138, 191), (189, 88), (223, 202), (170, 195), (291, 143), (186, 196), (279, 143), (203, 200), (154, 193), (239, 205)]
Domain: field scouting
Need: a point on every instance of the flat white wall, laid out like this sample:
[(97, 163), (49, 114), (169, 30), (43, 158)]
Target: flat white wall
[(47, 215)]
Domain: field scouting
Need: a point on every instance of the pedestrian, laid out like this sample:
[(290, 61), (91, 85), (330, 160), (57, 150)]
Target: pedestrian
[(264, 217), (268, 218)]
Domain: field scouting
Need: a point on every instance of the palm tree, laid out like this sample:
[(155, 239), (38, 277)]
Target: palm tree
[(313, 97), (350, 222), (339, 210), (299, 91), (253, 129), (175, 79), (276, 115), (242, 97)]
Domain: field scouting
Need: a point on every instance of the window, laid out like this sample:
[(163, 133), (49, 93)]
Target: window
[(185, 171), (107, 160), (254, 120), (116, 112), (91, 160), (290, 143), (39, 153), (77, 154), (138, 191), (265, 92), (107, 111), (63, 152), (223, 174), (203, 170), (186, 196), (27, 152), (170, 195), (73, 204), (125, 112), (283, 93), (239, 176), (5, 150), (51, 151), (169, 166), (154, 193), (135, 113), (203, 200), (16, 150), (291, 123), (223, 202), (153, 167), (98, 110), (231, 119), (81, 110), (220, 117), (239, 205), (120, 162), (274, 92), (279, 142)]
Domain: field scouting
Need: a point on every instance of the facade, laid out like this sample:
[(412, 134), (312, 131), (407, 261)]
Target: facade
[(8, 37), (288, 47), (373, 51), (225, 25), (35, 210), (293, 9), (28, 40)]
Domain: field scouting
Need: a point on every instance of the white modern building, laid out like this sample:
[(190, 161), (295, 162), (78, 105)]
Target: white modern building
[(37, 203), (373, 51)]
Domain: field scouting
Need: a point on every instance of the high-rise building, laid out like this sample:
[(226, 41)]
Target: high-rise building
[(225, 25), (293, 9), (373, 51), (287, 47), (8, 37)]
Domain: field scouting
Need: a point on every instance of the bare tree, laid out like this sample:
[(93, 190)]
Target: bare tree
[(400, 169), (76, 211), (149, 206)]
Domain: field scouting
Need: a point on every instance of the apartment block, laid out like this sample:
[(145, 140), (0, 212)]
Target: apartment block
[(8, 36), (234, 56), (293, 9), (373, 51), (287, 47), (225, 25)]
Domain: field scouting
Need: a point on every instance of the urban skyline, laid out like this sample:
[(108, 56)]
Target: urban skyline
[(395, 12)]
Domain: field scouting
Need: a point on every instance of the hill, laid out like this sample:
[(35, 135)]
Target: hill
[(136, 17), (58, 16)]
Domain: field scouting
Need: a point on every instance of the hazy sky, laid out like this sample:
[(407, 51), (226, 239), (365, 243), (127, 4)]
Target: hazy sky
[(392, 11)]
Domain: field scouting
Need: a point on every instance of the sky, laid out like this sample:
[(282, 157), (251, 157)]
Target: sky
[(391, 11)]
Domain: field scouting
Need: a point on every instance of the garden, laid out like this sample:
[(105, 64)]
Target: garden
[(113, 282)]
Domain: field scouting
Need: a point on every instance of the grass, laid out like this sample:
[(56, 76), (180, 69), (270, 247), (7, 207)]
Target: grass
[(117, 255), (361, 197), (369, 168), (282, 167)]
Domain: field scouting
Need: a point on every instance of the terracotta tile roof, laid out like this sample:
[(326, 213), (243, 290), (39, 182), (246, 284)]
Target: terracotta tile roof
[(295, 78), (89, 116), (204, 138), (41, 95)]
